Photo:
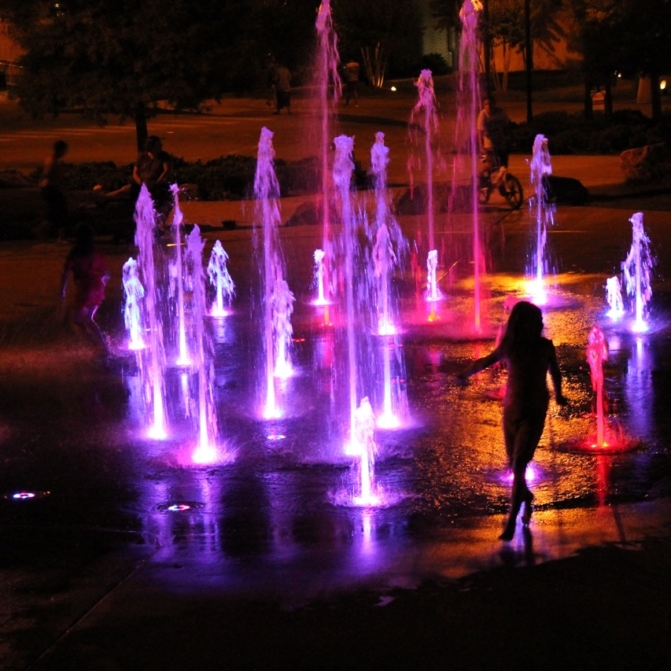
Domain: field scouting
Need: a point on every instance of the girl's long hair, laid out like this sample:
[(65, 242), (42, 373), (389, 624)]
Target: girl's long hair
[(525, 326)]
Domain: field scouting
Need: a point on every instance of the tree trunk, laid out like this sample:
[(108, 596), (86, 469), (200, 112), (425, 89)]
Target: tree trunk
[(656, 96), (608, 100), (589, 109), (141, 132)]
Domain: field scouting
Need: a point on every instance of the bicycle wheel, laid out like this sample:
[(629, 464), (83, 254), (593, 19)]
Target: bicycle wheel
[(513, 193)]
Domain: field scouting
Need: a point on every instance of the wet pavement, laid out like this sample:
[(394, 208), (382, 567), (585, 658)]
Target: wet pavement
[(118, 552)]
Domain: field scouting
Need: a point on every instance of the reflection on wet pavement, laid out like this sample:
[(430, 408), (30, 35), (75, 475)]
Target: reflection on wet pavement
[(273, 520)]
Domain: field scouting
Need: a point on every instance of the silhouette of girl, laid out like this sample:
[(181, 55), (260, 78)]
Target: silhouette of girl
[(528, 357)]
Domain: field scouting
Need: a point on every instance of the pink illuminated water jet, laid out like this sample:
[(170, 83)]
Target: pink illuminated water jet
[(607, 439), (183, 356), (467, 151), (389, 248), (423, 129)]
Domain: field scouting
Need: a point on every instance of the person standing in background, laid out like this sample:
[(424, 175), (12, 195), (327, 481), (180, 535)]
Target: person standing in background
[(51, 188)]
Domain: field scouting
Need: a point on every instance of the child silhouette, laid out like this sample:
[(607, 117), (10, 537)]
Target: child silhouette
[(528, 357)]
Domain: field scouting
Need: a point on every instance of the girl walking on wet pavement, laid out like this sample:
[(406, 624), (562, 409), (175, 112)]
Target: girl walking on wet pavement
[(90, 273), (528, 357)]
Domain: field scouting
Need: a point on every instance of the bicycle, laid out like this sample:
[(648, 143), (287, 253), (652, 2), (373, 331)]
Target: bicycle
[(498, 177)]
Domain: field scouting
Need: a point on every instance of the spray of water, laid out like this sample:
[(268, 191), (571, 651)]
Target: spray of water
[(637, 268), (389, 248), (134, 293), (542, 213), (597, 353), (614, 298), (151, 361), (183, 356), (343, 167), (206, 451), (423, 130), (365, 448), (467, 154), (277, 299), (221, 281), (329, 87)]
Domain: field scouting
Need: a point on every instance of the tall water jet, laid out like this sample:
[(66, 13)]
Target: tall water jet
[(389, 248), (467, 156), (277, 299), (134, 293), (423, 130), (637, 268), (343, 167), (597, 353), (327, 79), (221, 280), (202, 355), (183, 357), (542, 212), (152, 360)]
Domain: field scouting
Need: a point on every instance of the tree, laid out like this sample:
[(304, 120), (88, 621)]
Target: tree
[(125, 57), (392, 29), (621, 35), (502, 24)]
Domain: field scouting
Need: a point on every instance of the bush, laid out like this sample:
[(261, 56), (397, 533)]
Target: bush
[(575, 134), (436, 63), (223, 178)]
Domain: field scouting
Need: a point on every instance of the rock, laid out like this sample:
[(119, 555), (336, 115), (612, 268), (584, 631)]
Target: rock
[(414, 200), (646, 164), (306, 213), (13, 179), (565, 190)]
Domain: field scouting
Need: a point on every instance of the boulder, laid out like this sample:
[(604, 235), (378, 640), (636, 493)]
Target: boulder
[(565, 190), (646, 164)]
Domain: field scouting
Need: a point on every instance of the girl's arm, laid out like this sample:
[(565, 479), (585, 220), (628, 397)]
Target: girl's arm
[(479, 365)]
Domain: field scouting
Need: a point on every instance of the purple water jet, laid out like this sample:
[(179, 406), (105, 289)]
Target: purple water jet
[(389, 248), (542, 212), (614, 298), (152, 360), (221, 280), (423, 129), (277, 299), (327, 79), (637, 268), (183, 356), (364, 447), (134, 293), (320, 279), (206, 451), (343, 167)]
